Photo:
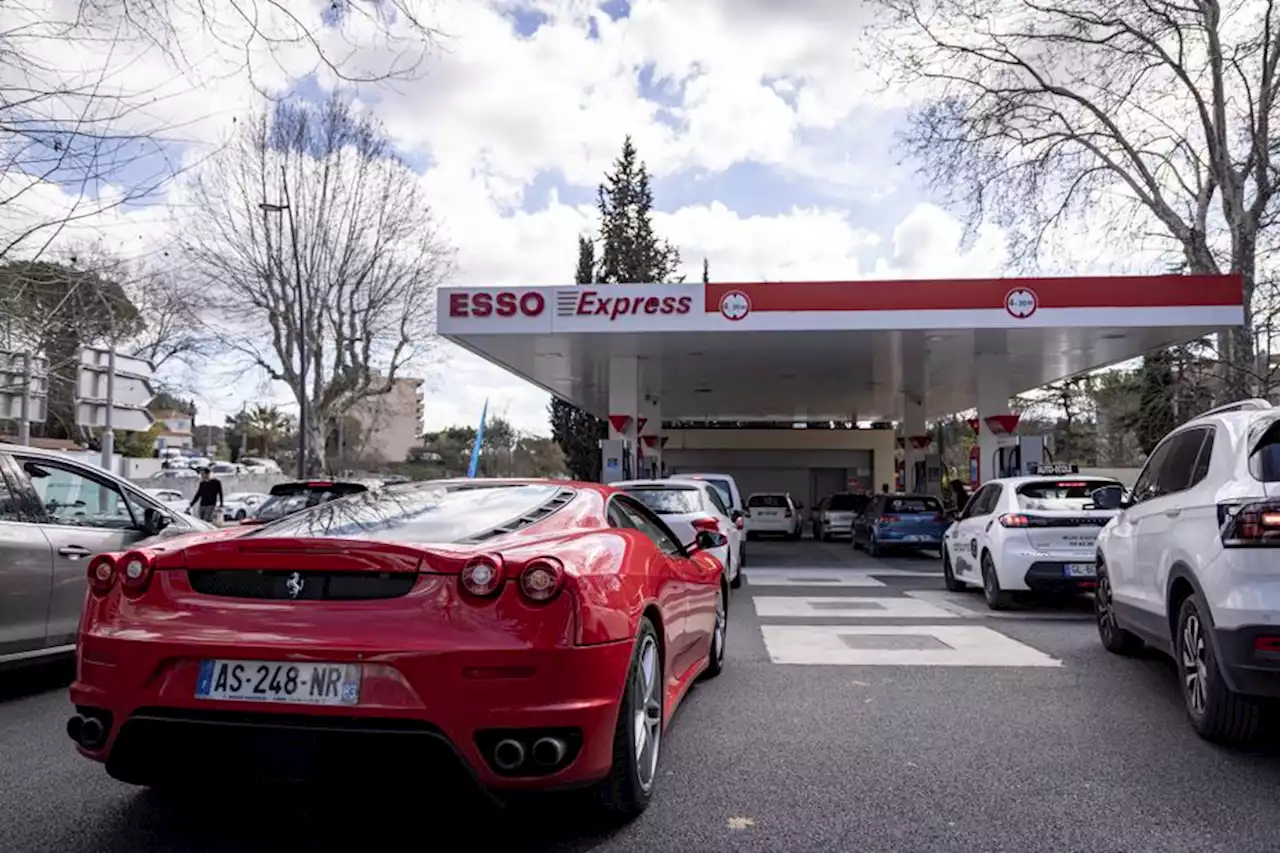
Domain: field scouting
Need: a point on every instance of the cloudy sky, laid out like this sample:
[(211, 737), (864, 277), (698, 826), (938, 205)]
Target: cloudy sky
[(773, 152)]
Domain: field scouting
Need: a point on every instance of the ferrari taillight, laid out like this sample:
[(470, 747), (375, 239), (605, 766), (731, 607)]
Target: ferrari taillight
[(135, 569), (482, 576), (542, 579), (102, 574)]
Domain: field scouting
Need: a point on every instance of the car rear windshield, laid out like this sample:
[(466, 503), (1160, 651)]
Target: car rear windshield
[(1063, 493), (288, 498), (849, 503), (418, 513), (669, 501), (774, 501), (908, 505)]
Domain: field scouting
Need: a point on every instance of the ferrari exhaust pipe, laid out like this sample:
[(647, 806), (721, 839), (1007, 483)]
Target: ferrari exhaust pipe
[(508, 754), (548, 751), (74, 726)]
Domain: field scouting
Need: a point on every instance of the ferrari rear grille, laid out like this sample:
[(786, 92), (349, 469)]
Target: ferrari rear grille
[(560, 498), (301, 586)]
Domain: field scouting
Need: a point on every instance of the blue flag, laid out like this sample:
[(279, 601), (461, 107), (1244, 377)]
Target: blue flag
[(475, 451)]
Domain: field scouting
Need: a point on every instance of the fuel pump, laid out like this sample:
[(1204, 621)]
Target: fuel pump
[(1021, 455), (616, 460)]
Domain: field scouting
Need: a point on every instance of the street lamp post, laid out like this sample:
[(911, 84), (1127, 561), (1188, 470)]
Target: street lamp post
[(299, 297)]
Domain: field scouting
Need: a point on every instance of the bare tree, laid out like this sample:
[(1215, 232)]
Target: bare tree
[(324, 253), (78, 139), (1152, 116)]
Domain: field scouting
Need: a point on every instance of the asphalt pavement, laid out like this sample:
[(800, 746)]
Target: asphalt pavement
[(862, 709)]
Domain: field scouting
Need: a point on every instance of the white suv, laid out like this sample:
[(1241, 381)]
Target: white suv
[(1189, 566)]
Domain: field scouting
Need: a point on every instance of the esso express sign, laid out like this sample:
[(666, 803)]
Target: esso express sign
[(503, 303)]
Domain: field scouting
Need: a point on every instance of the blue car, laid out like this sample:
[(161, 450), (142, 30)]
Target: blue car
[(901, 521)]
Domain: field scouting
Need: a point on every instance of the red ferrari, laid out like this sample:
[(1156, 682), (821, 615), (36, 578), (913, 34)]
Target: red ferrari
[(519, 634)]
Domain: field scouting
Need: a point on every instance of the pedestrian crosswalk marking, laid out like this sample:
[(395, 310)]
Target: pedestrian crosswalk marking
[(792, 607), (836, 645), (970, 605), (811, 577)]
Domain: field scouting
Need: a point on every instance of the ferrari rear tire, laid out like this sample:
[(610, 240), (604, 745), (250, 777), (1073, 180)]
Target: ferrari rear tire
[(720, 633), (626, 791)]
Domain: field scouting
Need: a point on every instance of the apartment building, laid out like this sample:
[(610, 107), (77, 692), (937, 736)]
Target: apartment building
[(390, 424)]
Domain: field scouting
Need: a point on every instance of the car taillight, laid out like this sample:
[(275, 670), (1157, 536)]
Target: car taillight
[(1251, 525), (482, 576), (787, 514), (102, 573), (542, 579), (708, 524), (135, 569), (888, 519), (937, 516), (1270, 645)]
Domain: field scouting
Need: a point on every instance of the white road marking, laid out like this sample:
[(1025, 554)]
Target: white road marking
[(891, 645), (850, 607), (971, 605), (811, 577)]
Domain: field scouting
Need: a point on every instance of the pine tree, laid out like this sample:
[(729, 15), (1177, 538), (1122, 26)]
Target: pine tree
[(578, 433), (630, 253)]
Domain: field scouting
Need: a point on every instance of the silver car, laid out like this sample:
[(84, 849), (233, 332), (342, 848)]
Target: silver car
[(55, 513)]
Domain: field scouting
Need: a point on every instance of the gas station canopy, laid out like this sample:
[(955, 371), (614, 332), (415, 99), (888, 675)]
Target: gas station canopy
[(830, 350)]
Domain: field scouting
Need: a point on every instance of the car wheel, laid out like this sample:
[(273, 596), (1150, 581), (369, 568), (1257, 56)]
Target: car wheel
[(949, 575), (997, 599), (240, 516), (719, 635), (626, 792), (1216, 713), (1114, 638)]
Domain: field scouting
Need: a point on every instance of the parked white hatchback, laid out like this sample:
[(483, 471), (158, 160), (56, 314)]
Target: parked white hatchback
[(691, 506), (1023, 534), (775, 514), (1189, 566)]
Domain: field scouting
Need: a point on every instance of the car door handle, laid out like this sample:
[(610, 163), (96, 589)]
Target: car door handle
[(74, 551), (1172, 513)]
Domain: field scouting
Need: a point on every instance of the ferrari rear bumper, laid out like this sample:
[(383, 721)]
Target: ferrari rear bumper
[(447, 710)]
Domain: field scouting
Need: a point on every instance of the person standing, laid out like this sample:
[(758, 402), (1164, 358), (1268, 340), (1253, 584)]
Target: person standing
[(208, 495)]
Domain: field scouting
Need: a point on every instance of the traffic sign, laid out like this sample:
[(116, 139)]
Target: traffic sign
[(130, 392), (12, 380)]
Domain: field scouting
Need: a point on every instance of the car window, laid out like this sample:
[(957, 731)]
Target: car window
[(11, 504), (1264, 454), (668, 501), (1068, 494), (975, 503), (1146, 487), (847, 503), (1180, 462), (1202, 461), (767, 502), (75, 498), (713, 495), (913, 504), (650, 525), (417, 513)]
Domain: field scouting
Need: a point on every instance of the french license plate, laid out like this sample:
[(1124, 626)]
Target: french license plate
[(1079, 570), (279, 681)]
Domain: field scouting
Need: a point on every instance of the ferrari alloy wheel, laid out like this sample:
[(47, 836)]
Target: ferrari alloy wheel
[(625, 793), (719, 634), (1114, 638), (1216, 712)]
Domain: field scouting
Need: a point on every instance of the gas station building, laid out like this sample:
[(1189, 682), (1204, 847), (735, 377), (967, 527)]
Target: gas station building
[(888, 352)]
